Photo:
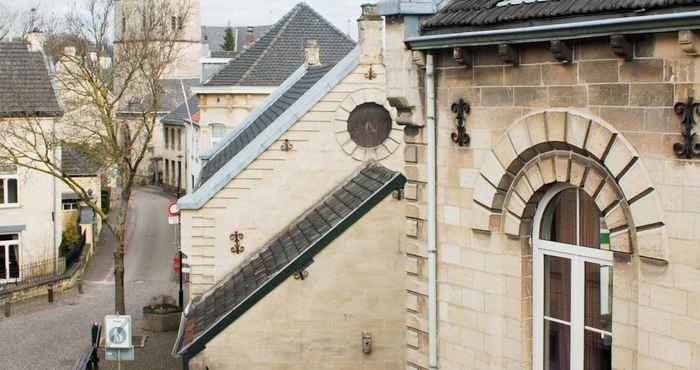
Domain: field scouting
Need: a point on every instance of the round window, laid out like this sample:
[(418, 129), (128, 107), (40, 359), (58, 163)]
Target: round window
[(369, 125)]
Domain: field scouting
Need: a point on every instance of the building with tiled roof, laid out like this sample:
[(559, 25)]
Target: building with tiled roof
[(247, 79), (292, 231)]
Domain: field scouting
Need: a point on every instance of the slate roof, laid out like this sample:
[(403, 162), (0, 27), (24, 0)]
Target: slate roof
[(25, 83), (465, 15), (280, 52), (249, 133), (171, 96), (285, 254), (181, 113), (76, 163), (214, 37)]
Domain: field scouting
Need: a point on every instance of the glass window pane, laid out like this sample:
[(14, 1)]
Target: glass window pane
[(557, 346), (557, 288), (597, 352), (2, 191), (6, 237), (559, 219), (12, 191), (590, 221), (598, 293), (3, 263), (14, 261)]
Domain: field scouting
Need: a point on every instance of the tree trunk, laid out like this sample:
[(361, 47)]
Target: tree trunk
[(119, 266)]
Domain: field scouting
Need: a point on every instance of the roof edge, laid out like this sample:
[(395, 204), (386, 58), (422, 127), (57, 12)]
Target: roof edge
[(403, 7), (256, 147), (199, 343), (665, 22)]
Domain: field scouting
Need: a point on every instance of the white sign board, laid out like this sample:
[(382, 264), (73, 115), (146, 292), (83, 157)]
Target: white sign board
[(173, 220), (119, 354), (118, 332)]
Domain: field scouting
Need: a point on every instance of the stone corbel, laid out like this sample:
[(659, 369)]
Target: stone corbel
[(508, 54), (419, 58), (561, 51), (687, 42), (463, 57), (404, 111), (622, 47)]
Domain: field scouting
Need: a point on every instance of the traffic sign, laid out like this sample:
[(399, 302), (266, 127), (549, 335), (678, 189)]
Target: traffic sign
[(172, 209), (118, 332)]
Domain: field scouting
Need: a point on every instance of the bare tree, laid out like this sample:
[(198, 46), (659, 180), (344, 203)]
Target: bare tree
[(94, 93), (7, 22)]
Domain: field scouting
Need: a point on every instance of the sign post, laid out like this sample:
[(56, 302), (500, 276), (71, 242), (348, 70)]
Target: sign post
[(118, 346)]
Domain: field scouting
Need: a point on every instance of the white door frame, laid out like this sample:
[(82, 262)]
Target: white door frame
[(578, 256), (5, 244)]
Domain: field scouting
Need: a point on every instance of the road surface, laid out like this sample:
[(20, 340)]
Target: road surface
[(42, 336)]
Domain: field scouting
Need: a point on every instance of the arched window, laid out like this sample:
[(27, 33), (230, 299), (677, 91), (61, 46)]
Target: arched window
[(572, 278)]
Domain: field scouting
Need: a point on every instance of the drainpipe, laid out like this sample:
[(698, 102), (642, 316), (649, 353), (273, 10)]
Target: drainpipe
[(432, 211)]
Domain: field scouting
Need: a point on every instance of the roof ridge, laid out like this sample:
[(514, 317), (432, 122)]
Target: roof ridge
[(289, 17), (319, 15)]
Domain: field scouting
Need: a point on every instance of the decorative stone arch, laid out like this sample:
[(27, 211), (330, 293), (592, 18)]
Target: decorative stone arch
[(340, 125), (558, 146)]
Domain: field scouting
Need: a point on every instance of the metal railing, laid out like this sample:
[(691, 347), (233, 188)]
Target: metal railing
[(90, 359)]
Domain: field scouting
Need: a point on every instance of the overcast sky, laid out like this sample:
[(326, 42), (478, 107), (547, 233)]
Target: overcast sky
[(342, 13)]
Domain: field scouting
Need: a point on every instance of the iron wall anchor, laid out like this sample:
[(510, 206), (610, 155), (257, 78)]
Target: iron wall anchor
[(687, 149), (461, 137)]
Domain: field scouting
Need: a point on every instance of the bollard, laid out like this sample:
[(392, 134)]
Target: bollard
[(95, 332), (50, 293), (8, 308), (80, 286)]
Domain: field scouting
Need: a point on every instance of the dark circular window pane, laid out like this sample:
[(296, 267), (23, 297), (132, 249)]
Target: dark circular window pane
[(369, 125)]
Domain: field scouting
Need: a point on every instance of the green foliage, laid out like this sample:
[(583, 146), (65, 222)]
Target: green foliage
[(71, 233), (229, 40)]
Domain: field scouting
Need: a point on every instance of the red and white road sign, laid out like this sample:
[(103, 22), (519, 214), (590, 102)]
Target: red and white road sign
[(173, 212), (178, 266)]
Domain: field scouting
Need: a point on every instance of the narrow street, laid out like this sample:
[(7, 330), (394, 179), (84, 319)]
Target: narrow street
[(53, 336)]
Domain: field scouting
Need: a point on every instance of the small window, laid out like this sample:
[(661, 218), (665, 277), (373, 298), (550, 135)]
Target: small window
[(179, 139), (70, 205), (369, 125), (218, 132), (9, 258), (166, 132), (173, 23), (8, 186)]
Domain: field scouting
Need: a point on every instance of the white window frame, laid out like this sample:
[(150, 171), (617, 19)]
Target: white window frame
[(578, 255), (214, 142), (4, 178), (5, 244)]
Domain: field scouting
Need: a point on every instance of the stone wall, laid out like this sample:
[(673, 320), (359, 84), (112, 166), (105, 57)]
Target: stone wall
[(352, 287), (485, 271)]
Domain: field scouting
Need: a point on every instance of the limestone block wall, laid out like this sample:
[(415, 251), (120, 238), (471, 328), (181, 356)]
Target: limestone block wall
[(279, 186), (617, 113), (352, 287)]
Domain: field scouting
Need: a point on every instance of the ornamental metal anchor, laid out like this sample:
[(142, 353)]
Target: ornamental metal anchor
[(236, 238), (688, 148), (461, 109)]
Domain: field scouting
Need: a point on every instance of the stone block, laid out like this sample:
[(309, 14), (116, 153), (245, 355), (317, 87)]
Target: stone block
[(635, 181), (489, 76), (651, 95), (609, 94), (497, 96), (643, 70), (520, 137), (504, 151), (523, 75), (535, 177), (451, 215), (516, 205), (561, 168), (619, 157), (607, 196), (537, 128), (481, 218), (599, 71), (559, 74), (412, 228), (647, 210), (568, 96), (412, 338), (484, 192), (491, 168), (620, 242), (511, 225), (523, 188), (411, 154), (594, 49), (598, 139), (593, 181), (547, 169), (576, 130), (412, 301), (412, 265), (624, 119), (530, 96), (616, 218), (411, 191), (556, 126), (653, 243)]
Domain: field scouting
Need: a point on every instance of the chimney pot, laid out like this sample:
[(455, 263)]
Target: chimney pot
[(249, 37), (312, 53), (371, 33)]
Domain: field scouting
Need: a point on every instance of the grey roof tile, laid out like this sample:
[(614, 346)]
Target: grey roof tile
[(463, 15), (25, 83), (182, 113), (248, 134), (214, 37), (77, 163), (290, 251), (280, 52)]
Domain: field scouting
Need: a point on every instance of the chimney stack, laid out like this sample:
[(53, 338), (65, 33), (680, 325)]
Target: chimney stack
[(35, 37), (371, 32), (312, 53), (249, 37)]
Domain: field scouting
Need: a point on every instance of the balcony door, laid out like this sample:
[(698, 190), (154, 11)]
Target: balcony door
[(572, 295)]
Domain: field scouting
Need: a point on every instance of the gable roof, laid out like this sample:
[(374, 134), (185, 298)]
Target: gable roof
[(285, 254), (25, 84), (467, 15), (76, 163), (277, 54), (182, 113), (260, 129)]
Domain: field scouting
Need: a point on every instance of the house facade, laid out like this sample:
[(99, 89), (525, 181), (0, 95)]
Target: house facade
[(293, 235), (250, 77), (551, 165), (30, 202)]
